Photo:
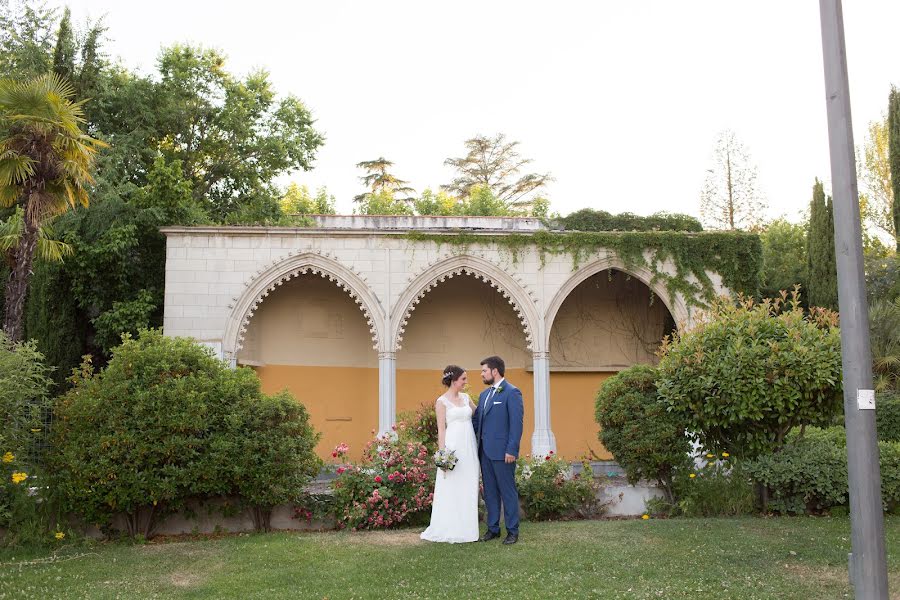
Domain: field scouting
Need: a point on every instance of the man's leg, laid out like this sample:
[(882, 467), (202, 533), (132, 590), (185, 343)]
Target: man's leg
[(506, 481), (491, 493)]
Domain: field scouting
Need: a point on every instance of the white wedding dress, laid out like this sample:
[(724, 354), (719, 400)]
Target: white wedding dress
[(454, 511)]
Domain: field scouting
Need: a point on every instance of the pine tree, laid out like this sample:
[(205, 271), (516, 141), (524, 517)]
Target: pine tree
[(820, 251), (894, 154)]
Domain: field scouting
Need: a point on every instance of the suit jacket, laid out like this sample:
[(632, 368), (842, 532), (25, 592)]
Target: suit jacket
[(500, 430)]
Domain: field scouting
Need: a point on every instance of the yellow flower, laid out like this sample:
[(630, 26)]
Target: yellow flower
[(18, 477), (725, 455), (35, 430), (9, 457), (645, 517), (692, 475), (710, 456), (59, 535)]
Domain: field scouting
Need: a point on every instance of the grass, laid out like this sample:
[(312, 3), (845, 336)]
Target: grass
[(748, 558)]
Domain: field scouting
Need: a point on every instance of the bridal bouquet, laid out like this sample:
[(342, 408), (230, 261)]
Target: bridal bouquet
[(445, 459)]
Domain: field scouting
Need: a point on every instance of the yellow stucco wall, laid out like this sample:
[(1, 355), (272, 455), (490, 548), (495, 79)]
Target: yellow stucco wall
[(309, 337), (343, 403)]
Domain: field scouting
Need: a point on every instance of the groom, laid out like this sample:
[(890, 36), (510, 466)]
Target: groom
[(498, 427)]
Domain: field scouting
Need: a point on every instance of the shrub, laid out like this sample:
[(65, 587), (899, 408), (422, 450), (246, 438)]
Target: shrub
[(588, 219), (166, 422), (810, 473), (548, 489), (646, 440), (24, 407), (391, 485), (24, 388), (748, 373), (277, 454), (419, 426), (884, 335), (887, 417)]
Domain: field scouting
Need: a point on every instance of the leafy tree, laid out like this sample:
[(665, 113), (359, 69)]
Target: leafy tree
[(379, 180), (730, 198), (822, 287), (748, 373), (382, 203), (647, 440), (45, 167), (784, 258), (298, 201), (495, 164), (26, 38), (482, 202), (232, 136), (894, 156), (876, 197), (437, 204)]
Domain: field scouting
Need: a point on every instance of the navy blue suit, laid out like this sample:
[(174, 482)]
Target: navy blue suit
[(498, 428)]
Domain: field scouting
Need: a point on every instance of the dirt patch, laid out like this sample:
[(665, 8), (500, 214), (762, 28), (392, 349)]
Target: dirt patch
[(386, 538), (820, 573), (185, 580)]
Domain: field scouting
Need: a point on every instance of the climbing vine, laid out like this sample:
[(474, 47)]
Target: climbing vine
[(735, 256)]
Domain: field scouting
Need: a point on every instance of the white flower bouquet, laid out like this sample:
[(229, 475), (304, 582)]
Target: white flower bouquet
[(445, 460)]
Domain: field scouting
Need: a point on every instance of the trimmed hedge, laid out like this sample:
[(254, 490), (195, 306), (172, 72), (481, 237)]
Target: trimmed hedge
[(809, 475), (887, 417)]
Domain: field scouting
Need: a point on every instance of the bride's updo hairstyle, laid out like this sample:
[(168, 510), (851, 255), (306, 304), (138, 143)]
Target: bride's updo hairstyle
[(451, 374)]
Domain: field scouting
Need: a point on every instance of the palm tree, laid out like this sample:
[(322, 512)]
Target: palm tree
[(48, 248), (45, 165), (884, 335)]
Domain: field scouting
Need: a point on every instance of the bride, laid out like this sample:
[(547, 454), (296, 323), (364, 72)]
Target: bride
[(454, 511)]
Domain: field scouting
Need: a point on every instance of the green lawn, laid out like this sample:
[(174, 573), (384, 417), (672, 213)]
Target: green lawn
[(688, 558)]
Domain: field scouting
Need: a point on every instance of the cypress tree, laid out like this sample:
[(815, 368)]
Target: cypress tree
[(894, 155), (64, 51), (820, 251)]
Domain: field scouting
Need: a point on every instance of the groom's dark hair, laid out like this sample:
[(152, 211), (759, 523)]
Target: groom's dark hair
[(495, 362)]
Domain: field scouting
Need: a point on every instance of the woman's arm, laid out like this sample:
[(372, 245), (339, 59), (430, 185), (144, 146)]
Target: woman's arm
[(441, 411)]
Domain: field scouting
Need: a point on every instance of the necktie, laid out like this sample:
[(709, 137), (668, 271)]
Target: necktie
[(484, 410)]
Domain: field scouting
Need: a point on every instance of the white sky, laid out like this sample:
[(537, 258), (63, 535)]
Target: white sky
[(620, 101)]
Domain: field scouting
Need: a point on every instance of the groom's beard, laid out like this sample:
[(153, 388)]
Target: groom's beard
[(488, 380)]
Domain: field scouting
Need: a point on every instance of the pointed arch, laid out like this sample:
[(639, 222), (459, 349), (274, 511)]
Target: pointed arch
[(519, 297), (676, 305), (261, 285)]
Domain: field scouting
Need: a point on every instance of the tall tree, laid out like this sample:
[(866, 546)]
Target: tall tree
[(785, 261), (66, 48), (232, 136), (378, 180), (894, 154), (822, 266), (876, 195), (494, 163), (26, 38), (730, 198), (45, 167)]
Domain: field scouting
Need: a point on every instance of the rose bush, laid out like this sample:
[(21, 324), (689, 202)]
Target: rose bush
[(392, 485)]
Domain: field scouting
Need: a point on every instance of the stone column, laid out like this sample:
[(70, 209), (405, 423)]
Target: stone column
[(387, 391), (542, 440)]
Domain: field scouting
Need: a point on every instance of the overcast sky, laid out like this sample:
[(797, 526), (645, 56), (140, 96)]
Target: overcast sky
[(620, 101)]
